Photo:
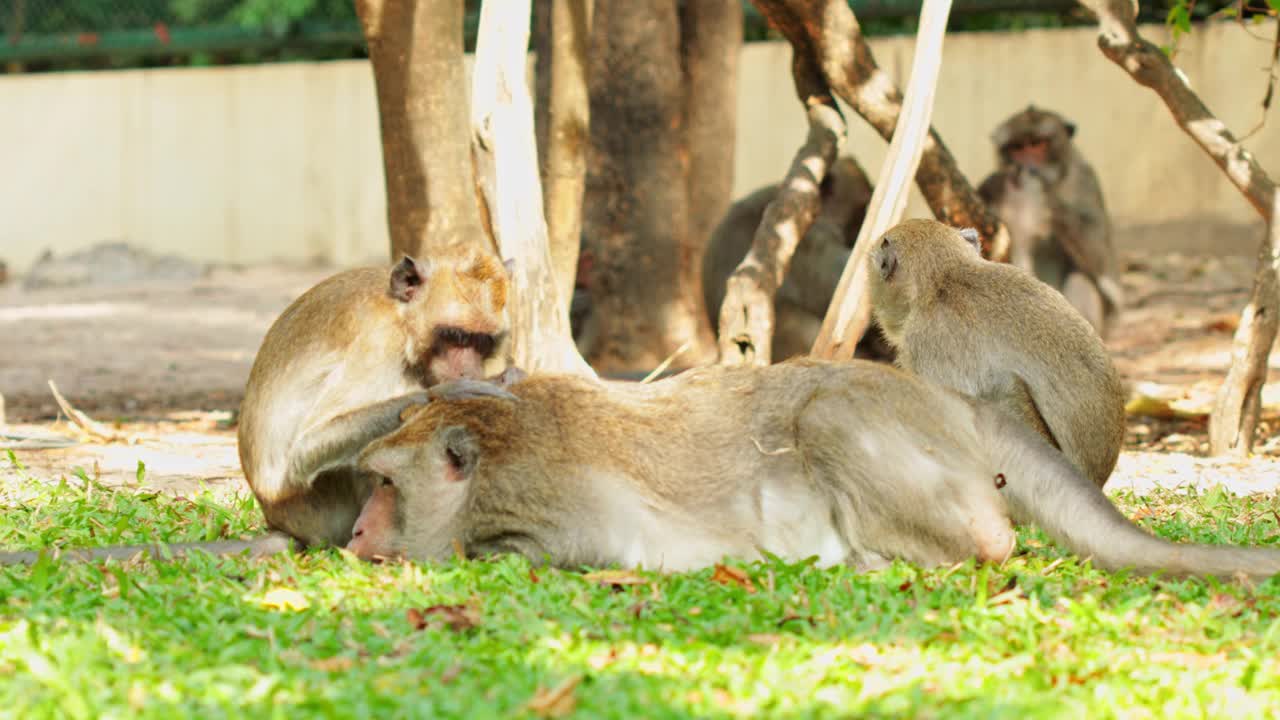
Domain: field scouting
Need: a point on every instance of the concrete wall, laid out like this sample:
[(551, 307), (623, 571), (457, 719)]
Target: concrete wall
[(283, 161)]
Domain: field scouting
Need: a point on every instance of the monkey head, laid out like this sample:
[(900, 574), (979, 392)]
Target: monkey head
[(908, 262), (427, 470), (453, 310), (1035, 139)]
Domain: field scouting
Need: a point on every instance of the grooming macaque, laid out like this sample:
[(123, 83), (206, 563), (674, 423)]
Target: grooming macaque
[(341, 363), (992, 331), (857, 463), (1049, 197), (819, 259)]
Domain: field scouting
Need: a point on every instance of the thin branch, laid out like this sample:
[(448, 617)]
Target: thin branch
[(850, 311), (1119, 40)]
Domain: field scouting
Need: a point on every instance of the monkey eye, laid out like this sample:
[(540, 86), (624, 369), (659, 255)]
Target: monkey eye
[(454, 458), (387, 482)]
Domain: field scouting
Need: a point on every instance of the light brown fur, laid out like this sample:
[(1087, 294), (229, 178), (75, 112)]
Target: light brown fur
[(857, 463), (341, 362), (994, 332), (1050, 199)]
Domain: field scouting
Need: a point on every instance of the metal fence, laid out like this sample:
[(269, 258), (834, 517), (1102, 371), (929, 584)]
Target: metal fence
[(54, 34)]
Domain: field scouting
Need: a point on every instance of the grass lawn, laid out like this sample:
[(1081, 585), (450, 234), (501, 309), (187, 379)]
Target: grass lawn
[(324, 635)]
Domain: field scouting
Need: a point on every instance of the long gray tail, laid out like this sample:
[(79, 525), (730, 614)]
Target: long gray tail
[(270, 544), (1042, 486)]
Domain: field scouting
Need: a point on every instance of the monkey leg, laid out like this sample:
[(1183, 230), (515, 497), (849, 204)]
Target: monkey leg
[(1083, 295)]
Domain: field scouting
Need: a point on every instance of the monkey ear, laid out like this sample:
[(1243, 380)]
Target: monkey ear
[(972, 237), (885, 258), (461, 452), (1071, 129), (406, 278)]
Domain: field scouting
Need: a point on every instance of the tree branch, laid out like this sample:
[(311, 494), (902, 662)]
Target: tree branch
[(1238, 404), (831, 30), (1119, 40), (850, 311), (747, 312)]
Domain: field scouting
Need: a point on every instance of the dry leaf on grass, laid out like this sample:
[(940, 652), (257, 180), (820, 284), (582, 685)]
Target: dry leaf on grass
[(614, 577), (726, 575), (1223, 323), (284, 599), (556, 702), (456, 617), (337, 663), (1188, 659)]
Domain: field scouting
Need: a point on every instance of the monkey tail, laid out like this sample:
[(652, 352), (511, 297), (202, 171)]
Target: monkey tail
[(1042, 486), (269, 544)]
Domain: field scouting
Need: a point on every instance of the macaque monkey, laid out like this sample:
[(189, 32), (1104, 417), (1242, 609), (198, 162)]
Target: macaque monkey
[(1049, 197), (274, 542), (341, 363), (334, 372), (994, 332), (858, 463), (819, 259)]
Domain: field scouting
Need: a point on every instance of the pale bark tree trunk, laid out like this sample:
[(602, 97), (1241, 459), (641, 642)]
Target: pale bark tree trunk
[(832, 31), (747, 312), (568, 119), (416, 50), (850, 311), (505, 152), (1238, 405), (711, 40), (645, 296)]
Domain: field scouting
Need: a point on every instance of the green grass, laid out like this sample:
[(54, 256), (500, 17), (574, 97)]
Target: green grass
[(324, 635)]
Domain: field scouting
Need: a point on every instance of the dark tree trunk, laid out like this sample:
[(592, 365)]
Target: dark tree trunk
[(540, 43), (416, 50), (646, 302), (711, 41)]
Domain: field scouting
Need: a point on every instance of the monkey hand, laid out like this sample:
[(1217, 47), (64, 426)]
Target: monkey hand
[(467, 389)]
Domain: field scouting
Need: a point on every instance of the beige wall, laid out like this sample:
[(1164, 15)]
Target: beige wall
[(250, 163)]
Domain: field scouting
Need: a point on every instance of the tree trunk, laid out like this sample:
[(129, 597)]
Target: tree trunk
[(830, 28), (711, 40), (1238, 404), (645, 294), (541, 42), (850, 311), (416, 50), (506, 157), (747, 313), (568, 112)]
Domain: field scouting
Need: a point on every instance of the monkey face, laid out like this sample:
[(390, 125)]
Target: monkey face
[(1035, 139), (416, 508), (453, 311)]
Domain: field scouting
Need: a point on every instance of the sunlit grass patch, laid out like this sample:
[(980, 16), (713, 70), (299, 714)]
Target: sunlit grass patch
[(324, 635)]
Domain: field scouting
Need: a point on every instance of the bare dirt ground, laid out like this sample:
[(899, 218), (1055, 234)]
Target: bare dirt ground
[(165, 364)]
